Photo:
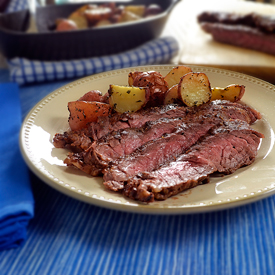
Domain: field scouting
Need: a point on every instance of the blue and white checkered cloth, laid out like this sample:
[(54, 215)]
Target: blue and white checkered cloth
[(24, 71), (158, 51), (16, 5)]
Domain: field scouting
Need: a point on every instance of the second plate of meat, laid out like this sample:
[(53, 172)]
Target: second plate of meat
[(167, 159)]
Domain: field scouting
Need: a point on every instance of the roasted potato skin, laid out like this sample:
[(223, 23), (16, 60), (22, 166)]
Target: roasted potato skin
[(174, 76), (195, 89), (233, 92), (65, 25), (172, 96), (94, 95), (97, 14), (154, 81), (82, 113)]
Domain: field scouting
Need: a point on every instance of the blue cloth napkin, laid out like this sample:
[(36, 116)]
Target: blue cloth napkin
[(158, 51), (16, 199)]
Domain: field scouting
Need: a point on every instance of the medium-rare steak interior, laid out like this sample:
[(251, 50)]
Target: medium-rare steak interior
[(227, 148), (252, 31)]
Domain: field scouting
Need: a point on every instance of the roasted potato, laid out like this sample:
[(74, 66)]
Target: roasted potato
[(138, 10), (174, 76), (97, 14), (79, 19), (127, 99), (83, 112), (65, 25), (93, 95), (172, 95), (128, 16), (83, 8), (152, 10), (194, 89), (154, 81), (232, 92), (103, 23)]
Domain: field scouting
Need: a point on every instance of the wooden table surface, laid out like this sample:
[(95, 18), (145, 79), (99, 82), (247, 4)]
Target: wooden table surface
[(198, 47)]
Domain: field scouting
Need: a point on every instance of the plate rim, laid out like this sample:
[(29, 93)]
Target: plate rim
[(128, 207)]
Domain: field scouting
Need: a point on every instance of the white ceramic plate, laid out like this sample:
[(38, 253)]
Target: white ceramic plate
[(50, 116)]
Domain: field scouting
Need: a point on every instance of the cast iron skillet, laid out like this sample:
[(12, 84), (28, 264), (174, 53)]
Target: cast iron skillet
[(49, 45)]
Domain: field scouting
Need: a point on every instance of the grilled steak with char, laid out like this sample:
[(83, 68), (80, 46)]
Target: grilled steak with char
[(81, 140), (156, 152), (252, 31), (225, 149), (120, 143)]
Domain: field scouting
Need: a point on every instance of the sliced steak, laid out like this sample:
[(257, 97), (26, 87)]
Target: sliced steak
[(252, 31), (262, 22), (241, 36), (106, 125), (120, 143), (78, 141), (224, 150), (157, 152)]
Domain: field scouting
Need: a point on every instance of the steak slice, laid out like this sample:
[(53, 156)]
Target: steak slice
[(224, 150), (72, 140), (254, 20), (241, 36), (120, 143), (157, 152), (81, 140), (252, 31)]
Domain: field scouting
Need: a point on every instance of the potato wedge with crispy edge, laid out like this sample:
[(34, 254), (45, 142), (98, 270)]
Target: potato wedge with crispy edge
[(79, 19), (232, 92), (127, 99), (138, 10), (83, 112), (172, 95), (195, 89), (174, 76)]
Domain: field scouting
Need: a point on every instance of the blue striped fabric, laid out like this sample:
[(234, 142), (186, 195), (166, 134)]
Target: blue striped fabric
[(70, 237), (158, 51)]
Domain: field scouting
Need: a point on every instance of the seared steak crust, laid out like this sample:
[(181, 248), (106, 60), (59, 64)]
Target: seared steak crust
[(157, 152), (224, 150), (253, 20), (241, 36), (81, 140), (120, 143), (251, 31)]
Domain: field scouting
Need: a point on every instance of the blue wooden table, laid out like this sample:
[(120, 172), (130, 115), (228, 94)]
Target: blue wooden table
[(67, 236)]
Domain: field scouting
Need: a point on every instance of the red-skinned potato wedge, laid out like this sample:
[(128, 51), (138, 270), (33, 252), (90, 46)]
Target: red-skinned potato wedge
[(79, 19), (83, 112), (194, 89), (127, 99), (172, 95), (97, 14), (154, 81), (174, 76), (65, 25), (94, 95), (232, 92)]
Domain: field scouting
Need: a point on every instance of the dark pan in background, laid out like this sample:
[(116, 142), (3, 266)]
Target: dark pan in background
[(50, 45)]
